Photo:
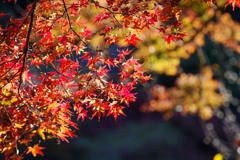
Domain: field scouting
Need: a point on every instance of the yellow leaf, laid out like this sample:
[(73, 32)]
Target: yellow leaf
[(2, 132), (6, 103), (18, 125), (4, 92), (13, 100), (41, 133), (52, 105)]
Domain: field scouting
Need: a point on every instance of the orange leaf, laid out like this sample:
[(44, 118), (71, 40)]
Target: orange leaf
[(35, 150)]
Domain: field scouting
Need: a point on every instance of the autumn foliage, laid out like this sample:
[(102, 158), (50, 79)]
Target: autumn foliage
[(70, 44), (191, 94)]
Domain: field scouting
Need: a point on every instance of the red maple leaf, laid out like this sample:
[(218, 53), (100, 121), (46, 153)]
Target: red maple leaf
[(82, 113), (102, 71), (63, 39), (116, 110), (98, 18), (132, 40), (87, 55)]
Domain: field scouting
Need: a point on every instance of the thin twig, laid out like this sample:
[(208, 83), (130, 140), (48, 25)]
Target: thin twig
[(70, 26)]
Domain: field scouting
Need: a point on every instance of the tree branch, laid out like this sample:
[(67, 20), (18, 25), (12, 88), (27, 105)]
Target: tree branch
[(27, 43), (70, 26)]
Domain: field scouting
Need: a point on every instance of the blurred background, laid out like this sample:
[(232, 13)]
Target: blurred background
[(190, 110)]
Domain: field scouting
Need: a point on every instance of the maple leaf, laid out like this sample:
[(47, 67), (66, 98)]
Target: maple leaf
[(107, 30), (146, 79), (48, 37), (86, 55), (116, 110), (16, 157), (62, 136), (126, 95), (124, 75), (132, 40), (41, 133), (80, 22), (27, 76), (86, 32), (2, 14), (170, 38), (176, 23), (63, 39), (109, 62), (36, 149), (102, 71), (82, 113), (98, 18), (98, 113), (151, 21), (111, 39), (122, 54), (233, 3), (36, 62)]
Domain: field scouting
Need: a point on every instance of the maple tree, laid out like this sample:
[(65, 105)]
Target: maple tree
[(73, 40)]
